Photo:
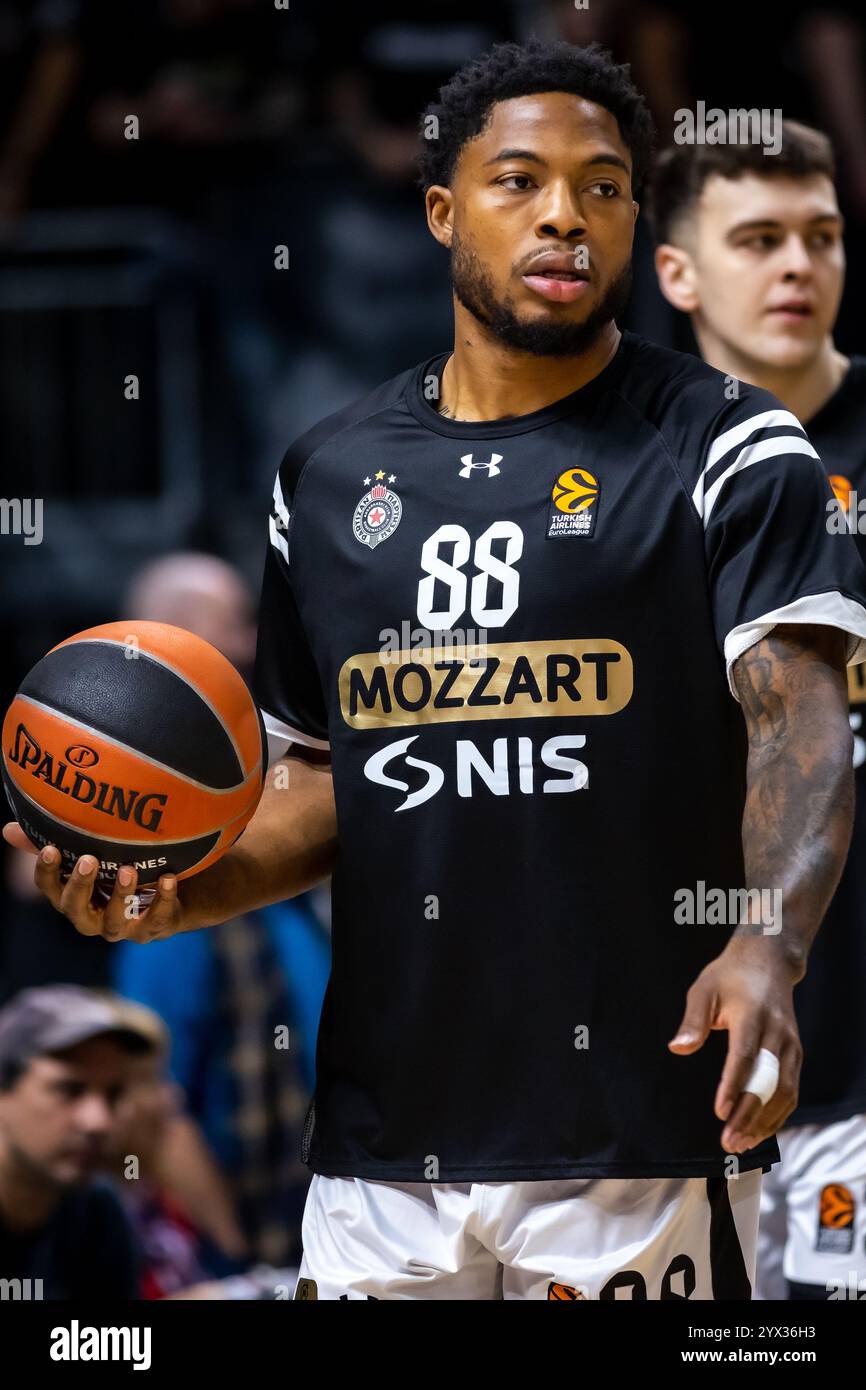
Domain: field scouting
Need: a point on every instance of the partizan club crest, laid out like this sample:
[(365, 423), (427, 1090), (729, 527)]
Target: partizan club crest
[(378, 513)]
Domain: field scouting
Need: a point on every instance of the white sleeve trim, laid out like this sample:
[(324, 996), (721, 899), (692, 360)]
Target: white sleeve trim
[(281, 735), (830, 609)]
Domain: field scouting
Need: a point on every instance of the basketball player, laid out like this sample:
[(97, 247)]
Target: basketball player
[(751, 248), (526, 598)]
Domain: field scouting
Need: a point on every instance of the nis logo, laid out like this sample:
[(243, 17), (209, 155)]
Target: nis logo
[(510, 766), (68, 775)]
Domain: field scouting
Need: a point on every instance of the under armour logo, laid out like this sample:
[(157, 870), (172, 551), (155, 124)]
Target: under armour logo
[(492, 466)]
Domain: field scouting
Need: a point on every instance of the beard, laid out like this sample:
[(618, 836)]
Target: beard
[(543, 337)]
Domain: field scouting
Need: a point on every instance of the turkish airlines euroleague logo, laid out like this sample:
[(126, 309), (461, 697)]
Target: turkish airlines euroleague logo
[(67, 775), (836, 1211), (573, 504), (842, 488)]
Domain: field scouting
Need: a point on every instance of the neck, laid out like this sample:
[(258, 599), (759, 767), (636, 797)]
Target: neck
[(485, 379), (26, 1200), (802, 389)]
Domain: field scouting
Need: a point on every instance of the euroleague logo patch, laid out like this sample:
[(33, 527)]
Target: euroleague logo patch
[(378, 513), (836, 1209), (563, 1293), (842, 488), (574, 503)]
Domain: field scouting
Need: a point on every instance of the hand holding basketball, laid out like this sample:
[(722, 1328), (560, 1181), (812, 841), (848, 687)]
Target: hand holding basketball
[(132, 750), (126, 915)]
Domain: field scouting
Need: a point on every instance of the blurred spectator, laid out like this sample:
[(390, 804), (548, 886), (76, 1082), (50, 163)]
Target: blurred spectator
[(202, 594), (215, 85), (41, 58), (65, 1062), (646, 34), (224, 993), (167, 1244)]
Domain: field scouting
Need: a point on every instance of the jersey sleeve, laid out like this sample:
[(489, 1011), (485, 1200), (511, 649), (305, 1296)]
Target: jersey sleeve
[(776, 551), (286, 681)]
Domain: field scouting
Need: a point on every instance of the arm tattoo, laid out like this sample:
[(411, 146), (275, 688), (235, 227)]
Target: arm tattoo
[(800, 782)]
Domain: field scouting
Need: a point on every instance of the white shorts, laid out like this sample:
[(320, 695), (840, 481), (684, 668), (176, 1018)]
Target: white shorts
[(579, 1238), (813, 1212)]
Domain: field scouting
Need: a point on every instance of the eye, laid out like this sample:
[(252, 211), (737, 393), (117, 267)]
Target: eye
[(823, 239), (69, 1090), (504, 181), (605, 188), (764, 241)]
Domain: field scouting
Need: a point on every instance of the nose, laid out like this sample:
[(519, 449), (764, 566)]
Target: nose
[(561, 215), (797, 263), (94, 1115)]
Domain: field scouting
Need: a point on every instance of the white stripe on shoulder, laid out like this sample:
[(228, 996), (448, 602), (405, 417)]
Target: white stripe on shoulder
[(280, 507), (738, 434), (753, 453), (278, 540), (830, 609)]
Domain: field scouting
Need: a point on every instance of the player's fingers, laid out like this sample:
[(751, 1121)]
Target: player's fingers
[(748, 1121), (784, 1099), (46, 875), (697, 1019), (740, 1132), (745, 1031), (161, 917), (14, 836), (123, 907), (75, 897)]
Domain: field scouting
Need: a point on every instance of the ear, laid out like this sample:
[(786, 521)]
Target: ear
[(439, 202), (677, 278)]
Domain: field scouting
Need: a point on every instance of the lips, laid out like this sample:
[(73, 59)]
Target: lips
[(555, 277), (798, 307)]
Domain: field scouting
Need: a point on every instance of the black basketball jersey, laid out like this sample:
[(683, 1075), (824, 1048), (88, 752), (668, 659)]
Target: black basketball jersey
[(516, 638), (831, 1000)]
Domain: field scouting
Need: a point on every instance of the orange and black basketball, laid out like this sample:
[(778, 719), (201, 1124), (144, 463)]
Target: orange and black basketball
[(138, 743)]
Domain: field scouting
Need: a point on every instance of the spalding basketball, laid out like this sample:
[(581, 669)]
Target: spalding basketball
[(138, 743)]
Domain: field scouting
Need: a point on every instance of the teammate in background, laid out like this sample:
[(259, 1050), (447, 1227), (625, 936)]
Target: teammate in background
[(751, 248), (510, 1100)]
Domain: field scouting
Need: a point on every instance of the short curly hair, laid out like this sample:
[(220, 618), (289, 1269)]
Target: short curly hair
[(516, 70)]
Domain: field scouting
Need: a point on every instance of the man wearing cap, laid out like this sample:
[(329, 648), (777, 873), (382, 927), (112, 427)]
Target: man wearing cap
[(64, 1064)]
